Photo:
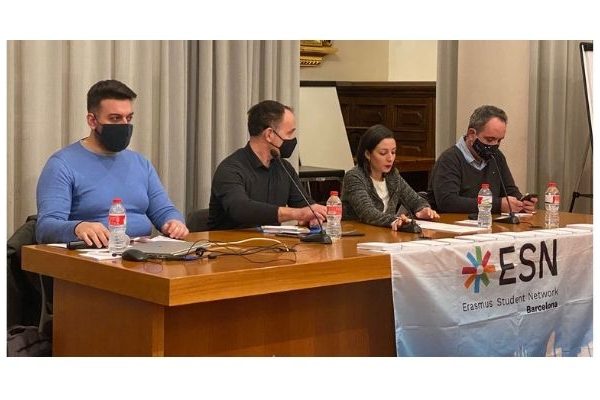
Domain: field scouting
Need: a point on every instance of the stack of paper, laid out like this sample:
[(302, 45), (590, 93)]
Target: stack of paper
[(379, 246), (519, 235), (586, 227), (462, 240), (384, 247), (438, 226), (479, 237)]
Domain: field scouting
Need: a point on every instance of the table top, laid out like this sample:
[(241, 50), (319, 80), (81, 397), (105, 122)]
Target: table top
[(184, 282)]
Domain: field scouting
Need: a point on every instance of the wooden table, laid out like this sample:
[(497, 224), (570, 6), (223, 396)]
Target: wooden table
[(319, 300)]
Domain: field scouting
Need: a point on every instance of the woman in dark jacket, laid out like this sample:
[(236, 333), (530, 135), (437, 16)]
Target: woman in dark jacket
[(373, 191)]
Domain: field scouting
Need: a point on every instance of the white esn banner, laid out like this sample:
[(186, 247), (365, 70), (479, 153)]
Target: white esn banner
[(506, 297)]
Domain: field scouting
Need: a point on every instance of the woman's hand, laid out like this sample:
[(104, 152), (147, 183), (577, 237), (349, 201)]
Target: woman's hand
[(402, 219), (427, 213)]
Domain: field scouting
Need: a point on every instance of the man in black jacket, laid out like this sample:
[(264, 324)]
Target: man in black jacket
[(250, 187), (459, 171)]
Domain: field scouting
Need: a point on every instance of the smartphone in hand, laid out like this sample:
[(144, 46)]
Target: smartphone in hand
[(528, 197)]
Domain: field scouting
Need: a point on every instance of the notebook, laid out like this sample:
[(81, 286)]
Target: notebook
[(169, 248)]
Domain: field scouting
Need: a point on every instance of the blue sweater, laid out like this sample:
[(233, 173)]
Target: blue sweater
[(79, 185)]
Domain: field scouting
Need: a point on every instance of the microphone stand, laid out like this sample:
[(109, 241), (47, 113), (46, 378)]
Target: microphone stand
[(511, 218), (318, 237)]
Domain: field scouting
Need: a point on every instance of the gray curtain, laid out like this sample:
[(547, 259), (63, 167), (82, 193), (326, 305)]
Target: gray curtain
[(559, 146), (225, 79), (446, 92), (190, 111)]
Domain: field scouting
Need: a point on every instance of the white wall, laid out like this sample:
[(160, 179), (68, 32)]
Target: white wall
[(377, 60), (412, 60), (355, 60), (497, 73)]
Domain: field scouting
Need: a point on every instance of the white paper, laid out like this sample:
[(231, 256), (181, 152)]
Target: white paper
[(432, 242), (462, 240), (99, 255), (479, 238), (159, 238), (520, 215), (571, 230), (438, 226), (391, 248), (518, 235), (379, 246), (467, 222), (284, 229), (587, 227)]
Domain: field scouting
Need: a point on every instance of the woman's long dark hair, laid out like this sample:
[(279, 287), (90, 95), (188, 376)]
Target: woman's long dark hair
[(368, 142)]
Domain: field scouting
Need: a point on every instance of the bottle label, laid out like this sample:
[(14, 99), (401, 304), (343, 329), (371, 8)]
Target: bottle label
[(334, 210), (484, 200), (552, 198), (116, 219)]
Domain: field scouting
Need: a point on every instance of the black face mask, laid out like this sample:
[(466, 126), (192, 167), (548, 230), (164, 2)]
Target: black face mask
[(485, 151), (115, 137), (287, 147)]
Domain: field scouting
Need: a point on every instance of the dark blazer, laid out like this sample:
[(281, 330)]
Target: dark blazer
[(361, 201)]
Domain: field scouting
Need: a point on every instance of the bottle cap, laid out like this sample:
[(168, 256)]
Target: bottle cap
[(117, 200), (551, 184), (485, 185), (333, 193)]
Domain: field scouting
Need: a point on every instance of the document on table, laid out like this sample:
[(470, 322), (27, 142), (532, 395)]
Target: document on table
[(385, 247), (519, 214), (452, 228), (98, 254), (480, 237), (291, 229)]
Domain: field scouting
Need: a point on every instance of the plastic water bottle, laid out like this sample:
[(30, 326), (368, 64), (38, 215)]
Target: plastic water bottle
[(334, 216), (552, 203), (484, 203), (117, 225)]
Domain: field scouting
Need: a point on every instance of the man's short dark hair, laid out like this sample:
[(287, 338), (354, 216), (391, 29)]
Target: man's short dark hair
[(483, 114), (108, 89), (267, 113)]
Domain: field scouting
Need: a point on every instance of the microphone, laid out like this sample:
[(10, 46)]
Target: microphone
[(511, 218), (320, 237), (412, 226)]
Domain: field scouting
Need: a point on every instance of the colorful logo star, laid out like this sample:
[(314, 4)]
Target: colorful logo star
[(479, 269)]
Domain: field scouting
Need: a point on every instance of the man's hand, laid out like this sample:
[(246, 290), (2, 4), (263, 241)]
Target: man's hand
[(515, 204), (92, 233), (175, 229), (529, 206), (305, 216)]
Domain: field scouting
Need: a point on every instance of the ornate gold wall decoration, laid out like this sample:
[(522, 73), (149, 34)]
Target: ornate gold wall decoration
[(312, 52)]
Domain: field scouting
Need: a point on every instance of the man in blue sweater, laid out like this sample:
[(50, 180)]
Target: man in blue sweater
[(78, 183)]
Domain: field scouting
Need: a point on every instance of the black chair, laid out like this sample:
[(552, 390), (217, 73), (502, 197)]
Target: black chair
[(29, 295), (197, 220)]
